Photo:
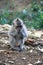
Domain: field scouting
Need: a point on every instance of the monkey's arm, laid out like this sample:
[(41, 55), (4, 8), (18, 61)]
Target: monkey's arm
[(24, 31), (12, 31), (13, 34)]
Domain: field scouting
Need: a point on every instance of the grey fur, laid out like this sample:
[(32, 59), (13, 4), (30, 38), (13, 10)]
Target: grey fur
[(18, 35)]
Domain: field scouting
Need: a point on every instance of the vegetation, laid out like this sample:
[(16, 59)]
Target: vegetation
[(32, 17)]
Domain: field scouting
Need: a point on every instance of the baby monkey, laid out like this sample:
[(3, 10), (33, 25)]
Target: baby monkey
[(18, 34)]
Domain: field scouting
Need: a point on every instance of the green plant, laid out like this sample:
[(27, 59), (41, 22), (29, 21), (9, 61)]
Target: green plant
[(32, 17)]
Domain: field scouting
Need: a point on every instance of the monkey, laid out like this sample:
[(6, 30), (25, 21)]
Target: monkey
[(18, 34)]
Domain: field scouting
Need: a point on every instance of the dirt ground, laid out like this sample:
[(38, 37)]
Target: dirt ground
[(32, 55)]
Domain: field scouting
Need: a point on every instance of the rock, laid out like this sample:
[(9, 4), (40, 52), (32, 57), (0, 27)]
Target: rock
[(30, 64), (6, 27), (29, 33), (12, 62), (38, 34), (40, 63), (41, 50), (1, 29), (23, 58), (31, 51), (27, 47), (7, 64)]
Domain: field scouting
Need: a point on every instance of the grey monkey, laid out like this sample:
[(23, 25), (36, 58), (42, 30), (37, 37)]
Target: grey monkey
[(18, 34)]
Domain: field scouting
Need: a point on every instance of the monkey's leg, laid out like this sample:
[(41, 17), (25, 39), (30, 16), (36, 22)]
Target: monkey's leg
[(12, 41), (22, 45), (17, 48)]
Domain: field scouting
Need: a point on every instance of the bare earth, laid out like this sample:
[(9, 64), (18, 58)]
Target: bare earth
[(32, 55)]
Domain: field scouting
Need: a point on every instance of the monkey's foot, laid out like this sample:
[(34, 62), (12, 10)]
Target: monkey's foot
[(16, 49)]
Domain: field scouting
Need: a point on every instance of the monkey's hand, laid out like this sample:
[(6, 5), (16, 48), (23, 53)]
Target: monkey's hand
[(13, 34)]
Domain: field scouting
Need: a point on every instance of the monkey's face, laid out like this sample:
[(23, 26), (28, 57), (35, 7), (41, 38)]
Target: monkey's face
[(17, 24)]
